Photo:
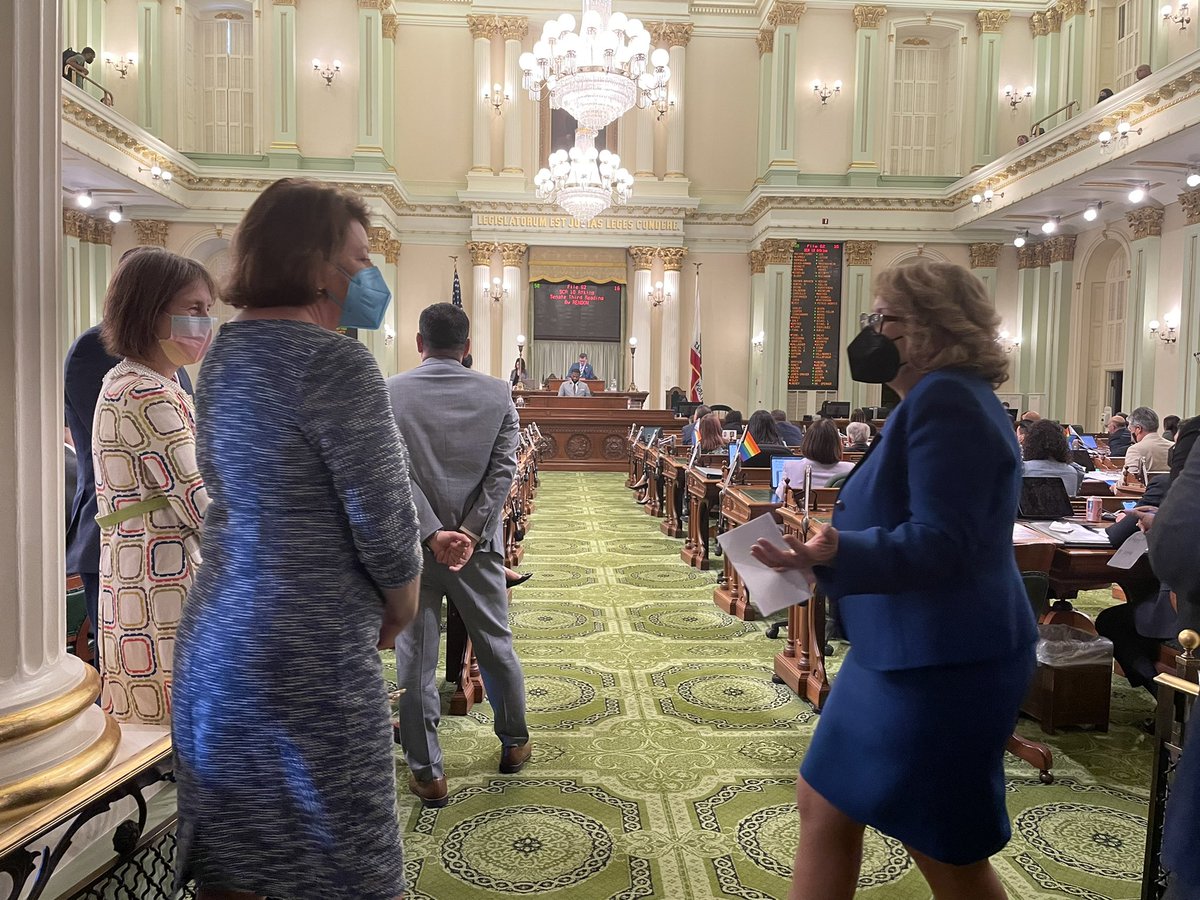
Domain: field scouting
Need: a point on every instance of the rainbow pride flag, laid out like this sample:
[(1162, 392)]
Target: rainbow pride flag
[(749, 447)]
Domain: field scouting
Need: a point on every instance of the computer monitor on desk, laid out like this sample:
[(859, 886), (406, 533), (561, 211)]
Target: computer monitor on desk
[(835, 409)]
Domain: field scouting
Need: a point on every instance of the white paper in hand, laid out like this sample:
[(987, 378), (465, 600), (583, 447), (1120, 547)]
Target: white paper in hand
[(770, 591), (1133, 549)]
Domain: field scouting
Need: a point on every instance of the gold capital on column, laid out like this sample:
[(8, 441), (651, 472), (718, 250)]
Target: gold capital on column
[(778, 251), (391, 25), (512, 254), (284, 2), (1027, 257), (765, 41), (869, 16), (513, 28), (391, 253), (76, 224), (758, 262), (1054, 19), (1145, 222), (1068, 8), (1039, 24), (377, 238), (1190, 201), (481, 252), (1060, 248), (670, 34), (151, 232), (643, 257), (672, 258), (483, 26), (992, 20), (785, 12), (984, 256), (101, 232), (374, 4), (860, 253)]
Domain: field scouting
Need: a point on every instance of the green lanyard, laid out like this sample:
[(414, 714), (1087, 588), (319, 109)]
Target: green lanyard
[(133, 511)]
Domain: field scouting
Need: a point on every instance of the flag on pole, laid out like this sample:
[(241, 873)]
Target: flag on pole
[(456, 293), (696, 380)]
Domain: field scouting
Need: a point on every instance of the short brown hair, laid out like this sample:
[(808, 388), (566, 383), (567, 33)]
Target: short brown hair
[(822, 443), (142, 286), (293, 227), (951, 321)]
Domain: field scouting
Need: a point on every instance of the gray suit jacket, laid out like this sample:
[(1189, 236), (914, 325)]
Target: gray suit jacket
[(1173, 541), (462, 434)]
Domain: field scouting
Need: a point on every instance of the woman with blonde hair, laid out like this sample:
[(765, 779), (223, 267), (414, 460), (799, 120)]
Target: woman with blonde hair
[(919, 556)]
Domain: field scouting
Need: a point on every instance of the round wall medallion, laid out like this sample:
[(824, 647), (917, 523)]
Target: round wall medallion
[(549, 448), (614, 447), (579, 446)]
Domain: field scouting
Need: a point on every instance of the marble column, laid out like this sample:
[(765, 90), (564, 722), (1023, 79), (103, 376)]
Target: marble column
[(1060, 291), (668, 349), (1071, 56), (866, 149), (481, 305), (758, 303), (283, 149), (368, 155), (150, 61), (514, 322), (639, 322), (784, 17), (677, 35), (985, 259), (987, 84), (52, 735), (391, 27), (776, 322), (857, 299), (1145, 250), (766, 65), (1189, 302), (481, 120), (513, 29)]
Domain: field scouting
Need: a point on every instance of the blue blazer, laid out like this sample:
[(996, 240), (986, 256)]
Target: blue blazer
[(925, 571), (83, 374), (585, 373)]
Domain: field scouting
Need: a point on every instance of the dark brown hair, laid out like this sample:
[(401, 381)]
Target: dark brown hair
[(293, 227), (709, 437), (822, 443), (144, 283), (1044, 439)]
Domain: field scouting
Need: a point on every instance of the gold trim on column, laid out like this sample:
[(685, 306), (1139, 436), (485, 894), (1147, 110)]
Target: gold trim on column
[(992, 20), (75, 223), (391, 26), (151, 232), (1190, 201), (778, 251), (1039, 25), (481, 252), (765, 41), (513, 254), (1060, 248), (1145, 222), (391, 253), (483, 26), (860, 253), (643, 258), (672, 258), (670, 34), (758, 262), (1027, 257), (513, 28), (377, 238), (984, 255), (785, 12), (52, 712), (869, 16), (1068, 8)]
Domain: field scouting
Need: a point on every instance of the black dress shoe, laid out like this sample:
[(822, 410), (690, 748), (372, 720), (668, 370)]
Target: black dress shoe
[(513, 582)]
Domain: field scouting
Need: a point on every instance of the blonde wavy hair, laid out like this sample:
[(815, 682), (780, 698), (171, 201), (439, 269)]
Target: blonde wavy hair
[(951, 322)]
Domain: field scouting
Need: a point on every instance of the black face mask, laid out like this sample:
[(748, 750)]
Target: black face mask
[(873, 357)]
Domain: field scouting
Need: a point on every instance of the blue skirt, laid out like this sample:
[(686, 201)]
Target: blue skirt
[(918, 754)]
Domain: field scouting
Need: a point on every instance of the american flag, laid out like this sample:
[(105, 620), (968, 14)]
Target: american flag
[(456, 292), (696, 381)]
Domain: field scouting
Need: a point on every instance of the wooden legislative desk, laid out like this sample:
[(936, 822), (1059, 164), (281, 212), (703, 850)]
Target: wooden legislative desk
[(703, 494), (801, 663), (582, 438), (553, 384), (740, 504), (547, 400)]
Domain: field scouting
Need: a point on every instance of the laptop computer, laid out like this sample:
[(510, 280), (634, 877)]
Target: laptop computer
[(777, 463), (1044, 499), (1089, 441)]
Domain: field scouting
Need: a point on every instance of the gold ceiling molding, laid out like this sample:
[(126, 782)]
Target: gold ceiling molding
[(643, 258), (1145, 222), (869, 16), (670, 34), (777, 251), (785, 12), (992, 20), (765, 41), (391, 25), (151, 232), (229, 16), (481, 252), (758, 262), (672, 258), (1060, 248), (513, 254), (916, 42), (1190, 201), (860, 253), (984, 255)]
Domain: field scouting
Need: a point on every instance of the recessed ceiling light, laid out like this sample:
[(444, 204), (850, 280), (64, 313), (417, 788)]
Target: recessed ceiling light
[(83, 199), (1091, 212), (115, 215), (1138, 194), (1019, 240), (1050, 226)]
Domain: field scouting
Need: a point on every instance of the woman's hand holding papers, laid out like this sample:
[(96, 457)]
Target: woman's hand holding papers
[(819, 550)]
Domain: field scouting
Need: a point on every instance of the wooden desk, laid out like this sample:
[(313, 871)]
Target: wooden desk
[(674, 489), (546, 400), (596, 384), (740, 504), (590, 439), (801, 663), (703, 496)]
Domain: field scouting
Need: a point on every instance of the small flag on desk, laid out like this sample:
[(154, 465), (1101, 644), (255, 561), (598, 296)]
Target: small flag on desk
[(749, 447), (456, 292)]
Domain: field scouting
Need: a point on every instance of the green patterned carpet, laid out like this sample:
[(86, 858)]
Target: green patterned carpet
[(665, 758)]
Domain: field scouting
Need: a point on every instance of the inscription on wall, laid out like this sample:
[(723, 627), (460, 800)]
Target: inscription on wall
[(563, 222)]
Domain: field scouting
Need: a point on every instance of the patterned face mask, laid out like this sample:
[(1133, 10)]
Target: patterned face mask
[(189, 340)]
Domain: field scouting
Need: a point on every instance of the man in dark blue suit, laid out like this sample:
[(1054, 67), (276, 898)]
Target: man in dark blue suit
[(83, 374), (583, 367)]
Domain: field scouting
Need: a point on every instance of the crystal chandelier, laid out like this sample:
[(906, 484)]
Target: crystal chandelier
[(599, 72), (582, 181)]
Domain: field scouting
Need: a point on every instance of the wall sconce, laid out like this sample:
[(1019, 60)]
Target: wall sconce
[(389, 335), (1007, 343), (520, 346), (121, 64), (1014, 98), (1182, 18), (984, 199), (1109, 141), (656, 296), (660, 102), (158, 173), (758, 342), (632, 354), (1166, 332), (495, 291), (823, 92), (327, 72), (497, 97)]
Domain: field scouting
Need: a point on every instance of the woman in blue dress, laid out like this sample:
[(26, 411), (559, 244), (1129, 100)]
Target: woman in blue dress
[(919, 555), (281, 727)]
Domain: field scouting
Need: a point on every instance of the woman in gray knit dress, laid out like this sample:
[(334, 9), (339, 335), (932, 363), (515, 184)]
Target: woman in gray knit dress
[(281, 724)]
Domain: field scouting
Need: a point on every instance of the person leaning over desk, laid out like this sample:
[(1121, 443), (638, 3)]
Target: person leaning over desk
[(911, 741)]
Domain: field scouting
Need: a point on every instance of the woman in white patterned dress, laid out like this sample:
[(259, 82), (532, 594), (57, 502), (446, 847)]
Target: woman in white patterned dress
[(150, 498)]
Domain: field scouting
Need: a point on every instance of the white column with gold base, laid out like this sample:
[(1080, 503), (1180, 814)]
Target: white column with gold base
[(52, 736)]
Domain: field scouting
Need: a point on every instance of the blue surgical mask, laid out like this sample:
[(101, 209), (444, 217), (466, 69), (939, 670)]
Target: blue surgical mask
[(367, 299)]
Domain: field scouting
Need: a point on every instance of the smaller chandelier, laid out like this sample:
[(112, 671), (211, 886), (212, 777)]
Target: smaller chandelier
[(657, 296), (496, 292), (1008, 343), (1014, 97), (582, 181), (1183, 18), (1109, 142), (823, 91), (984, 199)]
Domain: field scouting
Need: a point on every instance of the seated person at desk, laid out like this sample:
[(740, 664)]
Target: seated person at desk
[(1044, 450), (574, 387), (733, 420), (860, 415), (1149, 450), (688, 435), (766, 436), (583, 368), (789, 432), (709, 433), (821, 449), (520, 377), (1139, 626), (1119, 437), (859, 435), (1170, 427)]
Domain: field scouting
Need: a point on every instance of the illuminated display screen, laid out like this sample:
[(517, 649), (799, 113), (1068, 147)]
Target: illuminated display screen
[(814, 336), (563, 311)]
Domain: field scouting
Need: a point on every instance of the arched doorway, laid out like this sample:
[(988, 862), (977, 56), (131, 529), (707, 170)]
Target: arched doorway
[(1105, 300)]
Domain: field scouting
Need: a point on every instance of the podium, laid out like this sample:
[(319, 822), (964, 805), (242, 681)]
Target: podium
[(596, 384)]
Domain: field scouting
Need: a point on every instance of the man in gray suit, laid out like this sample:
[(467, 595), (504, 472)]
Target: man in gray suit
[(574, 387), (462, 434)]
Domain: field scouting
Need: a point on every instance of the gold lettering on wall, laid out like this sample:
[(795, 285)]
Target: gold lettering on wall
[(540, 220)]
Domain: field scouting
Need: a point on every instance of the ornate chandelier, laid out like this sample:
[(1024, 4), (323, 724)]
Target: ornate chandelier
[(582, 181), (599, 72)]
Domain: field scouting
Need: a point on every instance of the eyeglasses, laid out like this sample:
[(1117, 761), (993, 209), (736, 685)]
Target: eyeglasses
[(875, 320)]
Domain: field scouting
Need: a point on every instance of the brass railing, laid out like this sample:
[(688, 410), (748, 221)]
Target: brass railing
[(1033, 129), (106, 96)]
